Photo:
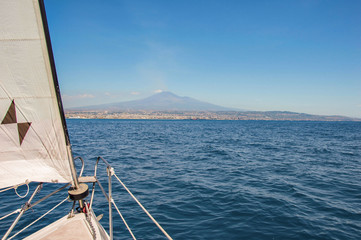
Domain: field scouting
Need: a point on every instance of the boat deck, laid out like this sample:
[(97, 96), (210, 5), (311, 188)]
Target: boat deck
[(73, 228)]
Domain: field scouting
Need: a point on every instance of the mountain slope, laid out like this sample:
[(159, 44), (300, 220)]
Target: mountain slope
[(164, 101)]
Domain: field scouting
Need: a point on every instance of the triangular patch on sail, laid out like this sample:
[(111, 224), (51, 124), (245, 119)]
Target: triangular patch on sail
[(23, 129), (10, 116)]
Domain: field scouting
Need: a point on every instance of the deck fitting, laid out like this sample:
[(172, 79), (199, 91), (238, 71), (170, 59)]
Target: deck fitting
[(79, 193)]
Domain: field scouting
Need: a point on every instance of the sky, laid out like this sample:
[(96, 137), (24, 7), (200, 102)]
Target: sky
[(301, 56)]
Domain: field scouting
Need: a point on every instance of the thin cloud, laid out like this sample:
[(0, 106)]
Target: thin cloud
[(79, 96), (158, 91), (135, 93)]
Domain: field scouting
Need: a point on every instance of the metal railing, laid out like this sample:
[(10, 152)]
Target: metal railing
[(110, 173)]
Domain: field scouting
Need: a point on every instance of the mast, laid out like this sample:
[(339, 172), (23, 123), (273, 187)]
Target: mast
[(57, 91)]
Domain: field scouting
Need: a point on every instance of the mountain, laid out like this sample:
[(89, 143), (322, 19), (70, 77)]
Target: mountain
[(164, 101)]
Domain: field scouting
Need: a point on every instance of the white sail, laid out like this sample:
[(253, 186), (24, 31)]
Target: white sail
[(33, 143)]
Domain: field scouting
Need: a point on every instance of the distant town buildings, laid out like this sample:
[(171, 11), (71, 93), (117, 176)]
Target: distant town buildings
[(205, 115)]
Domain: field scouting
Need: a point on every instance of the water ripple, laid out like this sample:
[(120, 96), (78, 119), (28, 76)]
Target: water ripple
[(227, 179)]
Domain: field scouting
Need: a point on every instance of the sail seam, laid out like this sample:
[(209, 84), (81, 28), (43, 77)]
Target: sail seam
[(19, 39), (27, 97)]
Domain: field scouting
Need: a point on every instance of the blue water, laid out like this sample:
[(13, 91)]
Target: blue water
[(223, 179)]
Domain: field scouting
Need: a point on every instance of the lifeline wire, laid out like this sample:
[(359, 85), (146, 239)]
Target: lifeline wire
[(15, 186), (16, 211), (130, 231), (145, 210), (37, 202), (39, 218)]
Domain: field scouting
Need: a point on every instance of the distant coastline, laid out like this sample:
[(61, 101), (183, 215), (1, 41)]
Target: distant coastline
[(205, 115), (167, 105)]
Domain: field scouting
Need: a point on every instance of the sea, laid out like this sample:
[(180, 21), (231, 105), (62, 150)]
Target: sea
[(205, 179)]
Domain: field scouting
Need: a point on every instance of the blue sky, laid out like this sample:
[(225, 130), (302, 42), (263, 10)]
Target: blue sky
[(302, 56)]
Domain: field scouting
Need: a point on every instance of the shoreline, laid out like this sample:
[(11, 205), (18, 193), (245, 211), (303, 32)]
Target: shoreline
[(204, 115)]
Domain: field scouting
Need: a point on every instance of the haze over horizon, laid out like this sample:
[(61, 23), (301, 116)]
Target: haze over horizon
[(255, 55)]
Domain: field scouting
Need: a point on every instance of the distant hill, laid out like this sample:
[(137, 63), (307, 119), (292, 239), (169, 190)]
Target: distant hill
[(167, 105), (164, 101)]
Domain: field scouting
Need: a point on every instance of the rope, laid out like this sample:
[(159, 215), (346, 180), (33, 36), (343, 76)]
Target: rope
[(145, 210), (130, 231), (26, 194), (39, 218), (16, 211), (15, 186), (6, 189), (26, 207)]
